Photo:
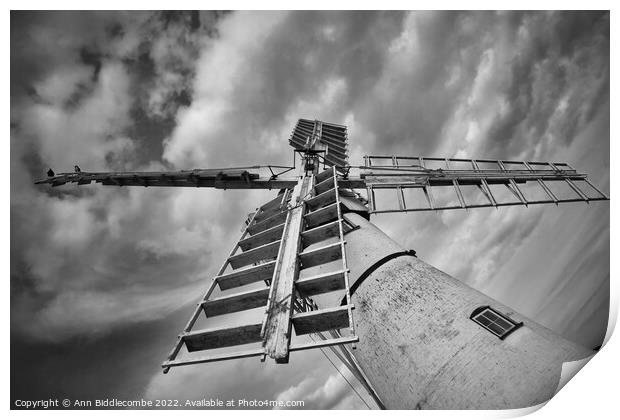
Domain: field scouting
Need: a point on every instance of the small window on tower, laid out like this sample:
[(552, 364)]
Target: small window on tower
[(495, 322)]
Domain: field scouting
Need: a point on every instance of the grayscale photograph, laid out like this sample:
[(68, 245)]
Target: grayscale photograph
[(309, 210)]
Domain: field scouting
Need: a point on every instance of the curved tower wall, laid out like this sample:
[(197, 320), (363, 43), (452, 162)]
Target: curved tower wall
[(419, 347)]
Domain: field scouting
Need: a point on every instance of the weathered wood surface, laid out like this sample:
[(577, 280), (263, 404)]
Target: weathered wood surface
[(263, 252), (321, 200), (321, 283), (236, 302), (323, 186), (320, 233), (321, 320), (277, 323), (222, 337), (322, 215), (262, 238), (276, 219), (249, 275), (322, 255)]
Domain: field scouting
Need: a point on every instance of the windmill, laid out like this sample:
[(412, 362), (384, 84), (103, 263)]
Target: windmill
[(309, 263)]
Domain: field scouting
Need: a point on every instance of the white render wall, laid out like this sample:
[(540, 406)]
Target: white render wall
[(420, 349)]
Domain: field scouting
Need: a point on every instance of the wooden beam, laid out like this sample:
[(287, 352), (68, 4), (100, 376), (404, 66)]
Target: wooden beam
[(277, 325)]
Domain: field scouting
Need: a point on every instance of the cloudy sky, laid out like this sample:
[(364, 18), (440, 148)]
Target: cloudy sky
[(103, 279)]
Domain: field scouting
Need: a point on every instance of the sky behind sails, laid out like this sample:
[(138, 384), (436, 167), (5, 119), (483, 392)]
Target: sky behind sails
[(102, 279)]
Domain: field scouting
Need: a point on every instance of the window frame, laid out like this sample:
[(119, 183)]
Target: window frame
[(514, 325)]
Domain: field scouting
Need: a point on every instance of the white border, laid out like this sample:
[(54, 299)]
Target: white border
[(592, 395)]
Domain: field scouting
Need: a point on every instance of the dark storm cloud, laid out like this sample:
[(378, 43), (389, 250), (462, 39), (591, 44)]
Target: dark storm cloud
[(557, 53), (142, 91), (258, 78)]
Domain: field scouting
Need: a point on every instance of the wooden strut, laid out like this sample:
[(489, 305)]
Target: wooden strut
[(276, 328), (344, 254)]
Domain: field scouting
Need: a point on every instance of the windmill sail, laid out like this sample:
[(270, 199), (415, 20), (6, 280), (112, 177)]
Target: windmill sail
[(266, 269), (414, 183), (251, 177), (321, 137)]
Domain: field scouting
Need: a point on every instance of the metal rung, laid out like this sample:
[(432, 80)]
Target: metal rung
[(262, 238), (321, 283), (321, 200), (274, 220), (323, 186), (322, 215), (214, 358), (222, 337), (321, 255), (237, 302), (321, 320), (264, 252), (324, 343), (239, 278), (320, 233)]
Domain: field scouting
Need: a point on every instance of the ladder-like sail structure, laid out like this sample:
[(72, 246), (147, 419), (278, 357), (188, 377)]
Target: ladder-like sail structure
[(426, 184), (282, 241), (327, 139)]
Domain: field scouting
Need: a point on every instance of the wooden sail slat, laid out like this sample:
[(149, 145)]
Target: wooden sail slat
[(222, 337), (322, 215), (323, 186), (321, 255), (262, 238), (253, 274), (321, 283), (321, 320), (264, 252), (272, 221), (237, 302), (323, 176), (321, 200), (320, 233)]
